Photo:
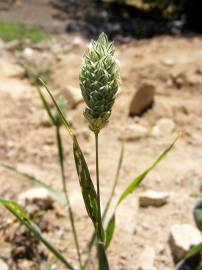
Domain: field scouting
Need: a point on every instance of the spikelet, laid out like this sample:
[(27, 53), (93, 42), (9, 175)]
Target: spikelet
[(99, 81)]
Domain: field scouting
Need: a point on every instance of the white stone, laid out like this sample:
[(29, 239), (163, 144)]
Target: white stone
[(147, 259), (35, 194), (133, 132), (182, 238), (10, 70), (73, 95), (3, 265), (42, 61), (16, 88), (153, 198), (164, 126), (169, 62)]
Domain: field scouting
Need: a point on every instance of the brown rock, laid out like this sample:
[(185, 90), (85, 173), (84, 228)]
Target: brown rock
[(142, 100)]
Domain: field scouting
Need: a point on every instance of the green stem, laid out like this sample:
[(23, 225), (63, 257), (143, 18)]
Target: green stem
[(116, 180), (99, 230), (102, 257), (71, 215)]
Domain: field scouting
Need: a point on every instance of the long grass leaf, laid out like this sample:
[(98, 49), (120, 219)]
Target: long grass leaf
[(195, 250), (87, 187), (131, 188), (46, 106), (23, 217), (59, 111), (55, 194), (110, 230), (136, 182)]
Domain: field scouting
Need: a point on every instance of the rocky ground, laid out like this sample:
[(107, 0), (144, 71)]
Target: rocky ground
[(167, 73)]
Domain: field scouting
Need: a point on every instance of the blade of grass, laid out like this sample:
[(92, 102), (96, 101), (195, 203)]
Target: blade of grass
[(60, 113), (55, 194), (130, 189), (46, 106), (23, 217)]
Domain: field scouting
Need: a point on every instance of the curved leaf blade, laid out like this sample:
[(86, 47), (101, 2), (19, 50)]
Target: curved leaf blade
[(55, 194), (110, 230), (23, 217), (136, 182), (46, 106), (131, 188), (87, 187)]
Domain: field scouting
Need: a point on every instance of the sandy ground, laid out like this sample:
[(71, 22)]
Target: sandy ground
[(28, 142)]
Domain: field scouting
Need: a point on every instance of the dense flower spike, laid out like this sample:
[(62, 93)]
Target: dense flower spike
[(99, 80)]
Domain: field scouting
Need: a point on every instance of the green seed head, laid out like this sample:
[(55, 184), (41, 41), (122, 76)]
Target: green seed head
[(99, 80)]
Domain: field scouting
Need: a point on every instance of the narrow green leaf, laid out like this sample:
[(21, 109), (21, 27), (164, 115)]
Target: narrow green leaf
[(87, 187), (55, 194), (192, 253), (133, 186), (60, 113), (62, 104), (46, 106), (23, 217), (110, 230), (136, 182), (195, 250)]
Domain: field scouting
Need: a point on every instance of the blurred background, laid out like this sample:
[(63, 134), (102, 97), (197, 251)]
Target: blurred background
[(159, 47)]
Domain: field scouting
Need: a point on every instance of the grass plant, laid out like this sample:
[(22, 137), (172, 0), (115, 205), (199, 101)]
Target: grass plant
[(99, 81), (21, 31)]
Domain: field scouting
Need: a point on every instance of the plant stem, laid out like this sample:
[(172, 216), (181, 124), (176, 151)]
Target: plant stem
[(93, 238), (99, 231), (71, 215), (102, 257)]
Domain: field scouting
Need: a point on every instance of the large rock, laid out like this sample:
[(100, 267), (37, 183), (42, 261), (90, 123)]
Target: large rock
[(3, 265), (164, 126), (10, 70), (182, 238), (73, 95), (147, 258), (133, 132), (142, 100), (16, 88), (36, 195), (153, 198), (42, 61)]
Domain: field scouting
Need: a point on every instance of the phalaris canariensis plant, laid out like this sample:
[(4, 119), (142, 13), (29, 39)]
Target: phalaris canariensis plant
[(99, 82)]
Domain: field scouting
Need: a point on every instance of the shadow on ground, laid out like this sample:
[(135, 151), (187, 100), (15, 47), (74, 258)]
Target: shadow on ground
[(87, 17)]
